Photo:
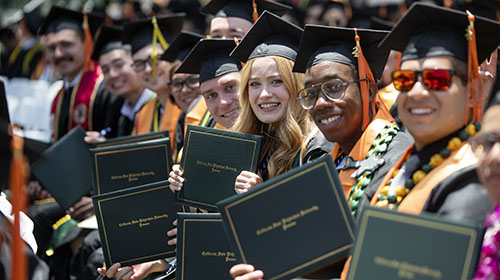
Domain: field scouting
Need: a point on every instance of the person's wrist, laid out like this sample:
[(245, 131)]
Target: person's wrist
[(159, 266)]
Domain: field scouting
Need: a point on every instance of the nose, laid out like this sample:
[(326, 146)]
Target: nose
[(58, 51), (321, 102), (493, 156), (418, 91), (265, 93)]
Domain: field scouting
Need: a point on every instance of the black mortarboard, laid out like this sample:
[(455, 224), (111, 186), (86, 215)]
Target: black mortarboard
[(108, 38), (210, 58), (427, 30), (243, 8), (180, 47), (335, 44), (140, 33), (269, 36), (484, 8), (60, 18)]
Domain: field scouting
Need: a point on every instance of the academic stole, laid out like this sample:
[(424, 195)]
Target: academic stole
[(81, 101)]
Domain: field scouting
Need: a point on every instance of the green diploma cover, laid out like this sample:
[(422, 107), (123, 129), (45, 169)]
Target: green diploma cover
[(132, 139), (211, 161), (394, 245), (292, 224), (123, 166), (65, 168), (203, 251), (133, 223)]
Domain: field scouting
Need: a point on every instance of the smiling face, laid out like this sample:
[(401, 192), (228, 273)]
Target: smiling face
[(340, 120), (267, 93), (221, 97), (430, 115), (118, 76), (159, 83), (66, 49), (183, 93), (489, 158)]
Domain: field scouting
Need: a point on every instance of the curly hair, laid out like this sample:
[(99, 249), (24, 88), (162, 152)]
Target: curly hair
[(286, 139)]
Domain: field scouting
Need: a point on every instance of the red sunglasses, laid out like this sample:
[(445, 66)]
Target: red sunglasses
[(433, 79)]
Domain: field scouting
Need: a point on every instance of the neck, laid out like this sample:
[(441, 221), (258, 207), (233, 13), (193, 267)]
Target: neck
[(347, 144), (134, 96), (162, 96), (71, 77)]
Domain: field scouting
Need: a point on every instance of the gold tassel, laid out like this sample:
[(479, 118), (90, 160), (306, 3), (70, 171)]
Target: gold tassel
[(157, 37)]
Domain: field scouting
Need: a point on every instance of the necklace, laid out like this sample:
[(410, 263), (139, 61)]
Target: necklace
[(377, 149), (391, 196), (488, 267)]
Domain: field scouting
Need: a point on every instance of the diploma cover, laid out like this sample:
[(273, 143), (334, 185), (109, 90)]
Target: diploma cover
[(128, 165), (394, 245), (292, 224), (211, 161), (203, 251), (133, 223)]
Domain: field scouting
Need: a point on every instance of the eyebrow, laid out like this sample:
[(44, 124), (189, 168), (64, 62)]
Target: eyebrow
[(326, 78)]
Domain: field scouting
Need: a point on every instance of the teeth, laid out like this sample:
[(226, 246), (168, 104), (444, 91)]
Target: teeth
[(329, 120), (268, 105), (230, 113), (118, 84), (421, 111)]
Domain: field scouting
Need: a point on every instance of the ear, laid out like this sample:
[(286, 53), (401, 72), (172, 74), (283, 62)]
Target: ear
[(372, 90)]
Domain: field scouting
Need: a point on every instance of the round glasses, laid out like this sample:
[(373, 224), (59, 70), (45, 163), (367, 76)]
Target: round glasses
[(332, 90)]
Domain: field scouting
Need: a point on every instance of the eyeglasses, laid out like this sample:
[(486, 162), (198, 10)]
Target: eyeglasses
[(191, 82), (483, 142), (433, 79), (332, 90), (140, 65)]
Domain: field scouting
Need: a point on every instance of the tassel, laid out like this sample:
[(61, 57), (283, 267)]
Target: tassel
[(475, 86), (366, 75), (157, 36), (255, 13), (89, 44), (18, 171)]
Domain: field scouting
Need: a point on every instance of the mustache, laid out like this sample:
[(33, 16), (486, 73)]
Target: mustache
[(62, 59)]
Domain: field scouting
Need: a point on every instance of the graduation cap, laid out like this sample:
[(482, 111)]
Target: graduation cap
[(269, 36), (484, 8), (108, 38), (243, 8), (181, 46), (60, 18), (140, 33), (210, 58), (327, 43), (427, 30)]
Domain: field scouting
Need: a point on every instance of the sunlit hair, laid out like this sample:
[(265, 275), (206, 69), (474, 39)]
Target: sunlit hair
[(287, 138)]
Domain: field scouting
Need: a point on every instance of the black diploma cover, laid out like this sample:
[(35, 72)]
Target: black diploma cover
[(132, 139), (128, 165), (133, 223), (292, 224), (65, 168), (395, 245), (203, 251), (211, 161)]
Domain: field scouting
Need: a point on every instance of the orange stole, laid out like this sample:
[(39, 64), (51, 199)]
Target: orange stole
[(359, 151), (81, 102), (388, 95), (196, 114), (144, 120), (414, 201), (416, 198)]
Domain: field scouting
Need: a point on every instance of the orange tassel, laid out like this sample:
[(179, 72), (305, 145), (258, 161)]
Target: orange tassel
[(89, 44), (475, 86), (255, 13), (208, 36), (364, 73), (399, 55), (17, 181)]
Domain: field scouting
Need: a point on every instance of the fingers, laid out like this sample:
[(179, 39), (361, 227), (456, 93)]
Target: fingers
[(245, 181), (111, 271), (125, 273), (93, 137), (173, 233), (245, 272), (175, 178)]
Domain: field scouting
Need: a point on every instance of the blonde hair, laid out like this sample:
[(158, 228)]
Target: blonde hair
[(286, 139)]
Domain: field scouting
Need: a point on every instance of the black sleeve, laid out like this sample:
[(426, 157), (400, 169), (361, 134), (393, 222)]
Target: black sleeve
[(106, 111)]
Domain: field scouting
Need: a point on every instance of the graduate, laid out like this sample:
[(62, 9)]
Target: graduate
[(233, 18)]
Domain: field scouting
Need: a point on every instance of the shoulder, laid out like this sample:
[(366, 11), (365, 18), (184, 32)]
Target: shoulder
[(460, 197), (317, 146)]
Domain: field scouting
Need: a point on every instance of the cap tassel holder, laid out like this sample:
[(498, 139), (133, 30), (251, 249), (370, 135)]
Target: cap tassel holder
[(157, 37), (255, 14), (89, 44), (366, 75), (475, 86)]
